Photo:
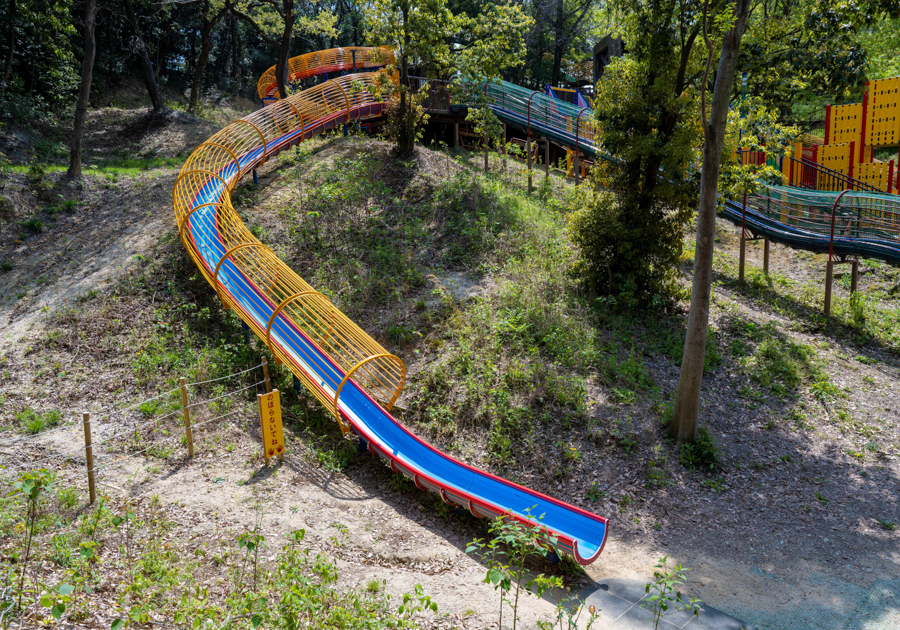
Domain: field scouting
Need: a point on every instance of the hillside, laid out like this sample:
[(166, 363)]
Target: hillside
[(512, 367)]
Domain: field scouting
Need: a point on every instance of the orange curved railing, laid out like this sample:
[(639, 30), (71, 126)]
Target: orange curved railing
[(205, 184), (323, 61)]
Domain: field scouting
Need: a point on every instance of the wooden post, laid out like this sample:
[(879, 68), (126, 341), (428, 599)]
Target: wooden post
[(743, 238), (528, 159), (576, 167), (89, 456), (547, 157), (187, 418), (455, 135), (503, 148), (766, 256), (829, 273), (854, 275), (265, 365)]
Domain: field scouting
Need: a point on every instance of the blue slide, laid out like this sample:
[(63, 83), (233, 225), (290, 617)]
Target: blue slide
[(574, 530)]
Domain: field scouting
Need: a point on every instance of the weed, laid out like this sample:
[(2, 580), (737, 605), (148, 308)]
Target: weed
[(821, 498), (622, 432), (33, 422), (800, 420), (702, 453), (375, 585), (718, 485), (887, 526), (656, 471), (824, 391), (624, 396), (511, 544), (594, 493), (68, 497), (665, 409), (858, 308), (399, 335), (5, 266), (666, 593), (31, 485), (32, 225)]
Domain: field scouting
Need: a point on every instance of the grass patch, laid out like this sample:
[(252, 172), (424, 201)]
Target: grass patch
[(32, 422)]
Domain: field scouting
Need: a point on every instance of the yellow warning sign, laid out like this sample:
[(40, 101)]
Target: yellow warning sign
[(270, 419)]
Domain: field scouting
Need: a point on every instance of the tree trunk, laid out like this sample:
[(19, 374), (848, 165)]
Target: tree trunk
[(282, 67), (406, 138), (558, 44), (200, 68), (209, 23), (683, 427), (84, 93), (11, 45), (149, 77)]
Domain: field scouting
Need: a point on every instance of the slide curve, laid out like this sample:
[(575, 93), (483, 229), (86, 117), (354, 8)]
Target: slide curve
[(339, 364)]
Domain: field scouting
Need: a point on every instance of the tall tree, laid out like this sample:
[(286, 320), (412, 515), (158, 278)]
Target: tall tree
[(566, 26), (276, 22), (10, 44), (211, 13), (644, 112), (683, 426), (140, 47), (84, 92), (427, 35)]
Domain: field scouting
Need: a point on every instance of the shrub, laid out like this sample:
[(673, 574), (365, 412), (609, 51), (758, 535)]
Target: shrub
[(702, 453)]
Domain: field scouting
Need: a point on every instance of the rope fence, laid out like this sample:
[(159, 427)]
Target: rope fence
[(88, 454)]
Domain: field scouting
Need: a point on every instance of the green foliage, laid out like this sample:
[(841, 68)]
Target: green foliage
[(431, 36), (31, 485), (665, 592), (630, 238), (33, 422), (511, 544), (815, 49), (702, 453)]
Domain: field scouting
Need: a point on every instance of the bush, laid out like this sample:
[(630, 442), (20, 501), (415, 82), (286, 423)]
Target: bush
[(703, 453), (635, 256)]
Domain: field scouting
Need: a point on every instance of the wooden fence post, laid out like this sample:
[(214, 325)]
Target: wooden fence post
[(89, 456), (766, 256), (546, 157), (829, 275), (187, 418), (265, 365), (528, 151)]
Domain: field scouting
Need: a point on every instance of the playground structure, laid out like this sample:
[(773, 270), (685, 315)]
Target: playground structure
[(343, 367), (846, 158), (323, 62), (349, 372)]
